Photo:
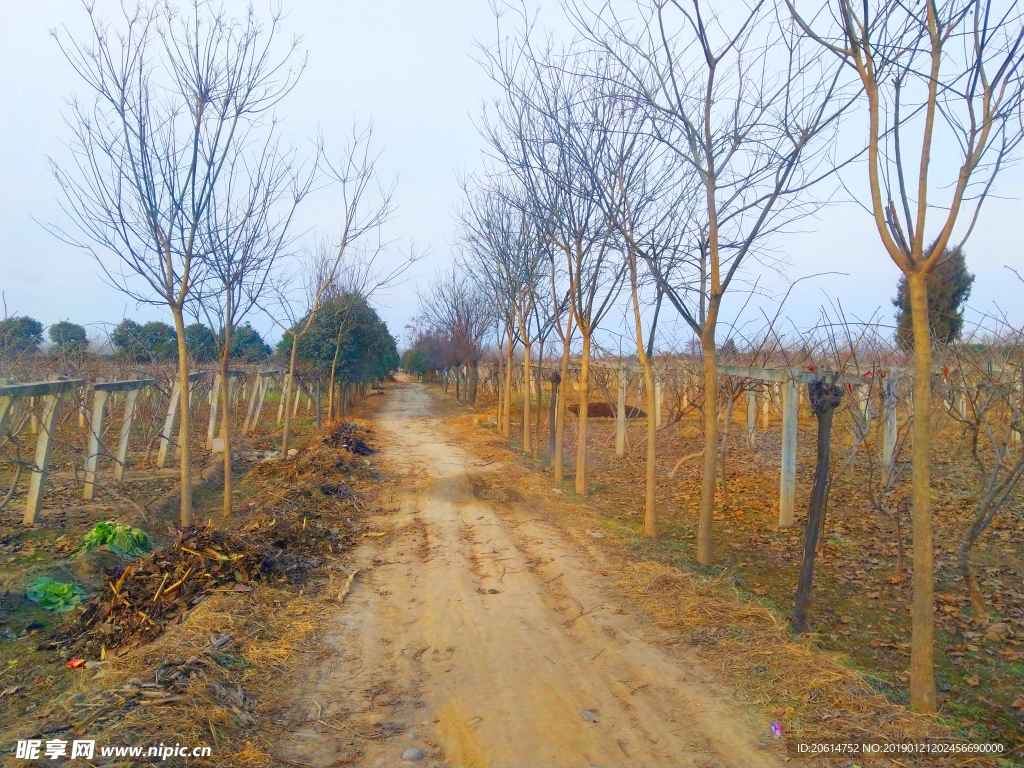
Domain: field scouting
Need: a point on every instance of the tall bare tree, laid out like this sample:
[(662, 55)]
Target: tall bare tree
[(748, 109), (500, 249), (542, 131), (365, 207), (244, 235), (943, 75), (172, 93), (645, 198), (457, 307)]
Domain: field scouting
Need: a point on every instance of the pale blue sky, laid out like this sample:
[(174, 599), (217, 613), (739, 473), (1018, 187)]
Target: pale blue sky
[(408, 66)]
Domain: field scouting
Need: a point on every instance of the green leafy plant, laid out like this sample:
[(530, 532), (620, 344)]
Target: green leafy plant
[(54, 595), (121, 539)]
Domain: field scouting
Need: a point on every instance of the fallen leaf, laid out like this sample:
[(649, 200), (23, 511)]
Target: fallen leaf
[(760, 591), (1018, 703), (589, 716), (845, 619), (973, 681)]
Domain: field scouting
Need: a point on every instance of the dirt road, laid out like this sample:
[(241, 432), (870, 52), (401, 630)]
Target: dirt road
[(477, 634)]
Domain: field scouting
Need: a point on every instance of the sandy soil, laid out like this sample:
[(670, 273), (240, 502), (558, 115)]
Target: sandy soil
[(478, 635)]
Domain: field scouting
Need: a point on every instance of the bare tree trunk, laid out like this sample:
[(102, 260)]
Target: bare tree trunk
[(729, 409), (286, 395), (649, 399), (225, 419), (824, 397), (185, 432), (499, 388), (557, 459), (474, 380), (330, 397), (506, 426), (581, 443), (526, 397), (922, 670), (706, 514), (539, 379)]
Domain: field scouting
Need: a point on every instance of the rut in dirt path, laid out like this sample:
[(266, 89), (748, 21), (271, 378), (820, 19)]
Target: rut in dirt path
[(482, 637)]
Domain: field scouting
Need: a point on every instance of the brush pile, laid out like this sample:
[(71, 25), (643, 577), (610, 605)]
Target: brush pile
[(346, 436), (149, 594)]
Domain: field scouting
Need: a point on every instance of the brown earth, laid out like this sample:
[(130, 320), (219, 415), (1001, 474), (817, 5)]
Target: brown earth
[(479, 634)]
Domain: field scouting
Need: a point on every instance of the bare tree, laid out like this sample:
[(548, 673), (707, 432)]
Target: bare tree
[(746, 108), (456, 306), (984, 392), (365, 208), (542, 132), (244, 235), (502, 253), (644, 198), (173, 94), (951, 73)]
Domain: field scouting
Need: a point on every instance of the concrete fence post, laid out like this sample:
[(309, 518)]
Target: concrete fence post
[(889, 437), (620, 416), (130, 404), (787, 484), (41, 466), (99, 404), (168, 430), (751, 417), (214, 402), (657, 403)]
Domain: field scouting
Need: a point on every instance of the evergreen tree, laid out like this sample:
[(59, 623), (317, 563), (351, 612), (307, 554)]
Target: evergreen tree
[(949, 286), (20, 335), (248, 345), (151, 342), (201, 343), (367, 349), (67, 338)]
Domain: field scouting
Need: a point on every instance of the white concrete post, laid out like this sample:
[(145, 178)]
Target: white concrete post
[(766, 404), (787, 484), (657, 403), (40, 468), (889, 437), (6, 409), (280, 405), (99, 404), (214, 402), (751, 417), (33, 419), (186, 404), (298, 394), (256, 388), (165, 436), (686, 391), (126, 432), (620, 416)]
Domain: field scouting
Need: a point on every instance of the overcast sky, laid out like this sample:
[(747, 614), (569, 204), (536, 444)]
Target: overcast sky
[(408, 66)]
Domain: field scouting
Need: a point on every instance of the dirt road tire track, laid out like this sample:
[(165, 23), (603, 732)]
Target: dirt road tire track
[(481, 636)]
